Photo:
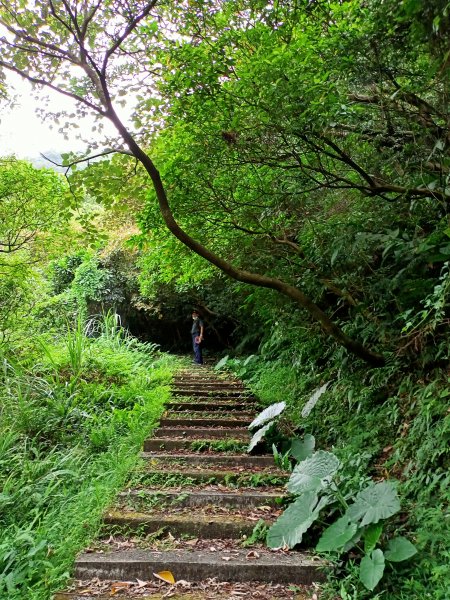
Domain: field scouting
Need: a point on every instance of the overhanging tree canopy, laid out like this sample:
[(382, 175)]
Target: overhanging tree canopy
[(296, 110)]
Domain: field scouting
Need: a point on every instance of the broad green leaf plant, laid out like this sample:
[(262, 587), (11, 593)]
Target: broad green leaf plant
[(315, 486)]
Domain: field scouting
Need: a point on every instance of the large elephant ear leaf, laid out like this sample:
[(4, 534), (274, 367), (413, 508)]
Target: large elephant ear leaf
[(302, 449), (337, 535), (268, 414), (399, 549), (288, 530), (314, 473), (258, 435), (371, 569), (375, 502)]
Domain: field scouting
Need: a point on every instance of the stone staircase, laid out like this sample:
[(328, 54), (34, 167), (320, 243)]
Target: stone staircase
[(193, 508)]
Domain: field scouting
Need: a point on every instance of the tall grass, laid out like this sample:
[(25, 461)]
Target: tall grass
[(75, 347), (71, 429)]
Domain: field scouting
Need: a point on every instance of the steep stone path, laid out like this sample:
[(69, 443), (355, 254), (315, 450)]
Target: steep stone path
[(189, 510)]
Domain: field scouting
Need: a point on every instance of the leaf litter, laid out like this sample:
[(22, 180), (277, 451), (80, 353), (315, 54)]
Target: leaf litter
[(210, 589), (166, 541)]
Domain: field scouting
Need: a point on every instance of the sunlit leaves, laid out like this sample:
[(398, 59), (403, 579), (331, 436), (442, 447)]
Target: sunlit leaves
[(314, 399), (296, 519), (32, 202), (314, 473), (258, 435), (377, 501), (303, 448), (269, 413)]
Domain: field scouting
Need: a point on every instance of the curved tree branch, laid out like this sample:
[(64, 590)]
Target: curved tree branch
[(242, 275), (98, 79)]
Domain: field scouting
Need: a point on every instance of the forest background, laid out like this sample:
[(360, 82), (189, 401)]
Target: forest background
[(285, 169)]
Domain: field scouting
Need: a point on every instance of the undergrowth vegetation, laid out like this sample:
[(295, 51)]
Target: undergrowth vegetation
[(382, 425), (74, 414)]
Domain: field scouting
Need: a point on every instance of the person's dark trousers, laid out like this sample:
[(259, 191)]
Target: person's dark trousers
[(197, 350)]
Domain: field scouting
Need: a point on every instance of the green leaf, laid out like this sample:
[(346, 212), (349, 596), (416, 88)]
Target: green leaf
[(314, 399), (371, 536), (314, 473), (222, 362), (335, 255), (268, 413), (377, 501), (288, 530), (258, 435), (399, 549), (5, 499), (371, 569), (337, 535), (353, 541), (302, 449)]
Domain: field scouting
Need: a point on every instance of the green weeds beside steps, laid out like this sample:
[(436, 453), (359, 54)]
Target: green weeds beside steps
[(218, 446), (253, 480), (258, 534), (162, 479), (69, 436), (383, 425), (317, 484), (141, 501)]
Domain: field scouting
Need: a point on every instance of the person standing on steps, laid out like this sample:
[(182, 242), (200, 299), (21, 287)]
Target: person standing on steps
[(197, 330)]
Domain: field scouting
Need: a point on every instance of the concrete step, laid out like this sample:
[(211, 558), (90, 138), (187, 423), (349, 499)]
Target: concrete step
[(209, 385), (197, 433), (201, 524), (189, 443), (232, 385), (207, 381), (197, 565), (212, 474), (228, 423), (231, 498), (200, 414), (203, 375), (182, 590), (210, 406), (208, 394), (233, 460), (220, 385)]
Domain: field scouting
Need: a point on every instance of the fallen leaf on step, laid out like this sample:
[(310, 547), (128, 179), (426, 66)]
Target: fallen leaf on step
[(252, 554), (191, 542), (165, 576), (118, 586), (226, 557), (141, 584)]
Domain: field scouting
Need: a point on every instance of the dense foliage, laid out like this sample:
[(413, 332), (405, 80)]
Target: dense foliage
[(299, 154), (74, 413)]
